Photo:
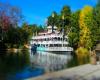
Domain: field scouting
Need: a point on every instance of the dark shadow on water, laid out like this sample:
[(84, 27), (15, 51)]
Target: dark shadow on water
[(76, 62), (2, 47), (10, 63)]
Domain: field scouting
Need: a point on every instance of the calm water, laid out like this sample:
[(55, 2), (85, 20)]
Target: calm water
[(23, 65)]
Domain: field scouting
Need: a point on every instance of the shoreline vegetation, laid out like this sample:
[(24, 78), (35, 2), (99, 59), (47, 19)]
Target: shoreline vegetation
[(25, 47)]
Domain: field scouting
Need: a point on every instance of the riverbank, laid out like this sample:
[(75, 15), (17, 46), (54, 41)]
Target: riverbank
[(15, 50), (25, 47), (86, 71)]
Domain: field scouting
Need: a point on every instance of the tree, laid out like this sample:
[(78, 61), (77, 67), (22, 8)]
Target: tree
[(58, 21), (66, 12), (16, 37), (9, 15), (74, 33), (85, 39), (96, 23), (84, 22), (66, 21), (53, 20)]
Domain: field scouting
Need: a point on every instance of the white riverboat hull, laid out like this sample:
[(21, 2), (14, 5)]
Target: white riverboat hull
[(59, 49)]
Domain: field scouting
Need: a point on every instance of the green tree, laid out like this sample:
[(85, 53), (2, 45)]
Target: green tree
[(66, 18), (53, 19), (96, 23), (74, 32), (13, 37), (66, 12)]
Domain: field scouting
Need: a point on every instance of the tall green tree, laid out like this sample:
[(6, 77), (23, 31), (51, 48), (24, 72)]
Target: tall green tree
[(53, 19), (66, 12), (66, 18), (74, 32), (96, 23)]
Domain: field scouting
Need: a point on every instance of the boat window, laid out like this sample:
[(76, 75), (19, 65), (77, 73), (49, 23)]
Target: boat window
[(59, 38), (51, 45), (65, 45), (57, 45), (46, 45), (52, 39), (43, 45), (45, 39), (55, 38)]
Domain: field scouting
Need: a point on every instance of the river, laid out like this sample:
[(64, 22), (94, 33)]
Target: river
[(24, 64)]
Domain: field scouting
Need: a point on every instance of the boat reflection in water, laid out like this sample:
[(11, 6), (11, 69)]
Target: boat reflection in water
[(23, 65), (50, 61)]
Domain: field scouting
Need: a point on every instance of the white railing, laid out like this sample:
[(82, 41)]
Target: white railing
[(48, 36), (52, 42), (59, 49)]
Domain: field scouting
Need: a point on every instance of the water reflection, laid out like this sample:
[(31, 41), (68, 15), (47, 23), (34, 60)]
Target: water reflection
[(10, 63), (50, 61), (25, 64)]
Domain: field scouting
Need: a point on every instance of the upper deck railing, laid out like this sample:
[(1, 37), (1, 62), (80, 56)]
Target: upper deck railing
[(48, 36)]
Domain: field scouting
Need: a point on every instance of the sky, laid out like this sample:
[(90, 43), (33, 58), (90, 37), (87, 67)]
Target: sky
[(37, 11)]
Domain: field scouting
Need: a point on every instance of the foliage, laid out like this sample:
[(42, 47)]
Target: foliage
[(32, 29), (96, 23), (58, 21), (74, 33), (82, 51), (9, 15), (84, 22), (66, 12), (52, 20), (16, 37), (82, 55)]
